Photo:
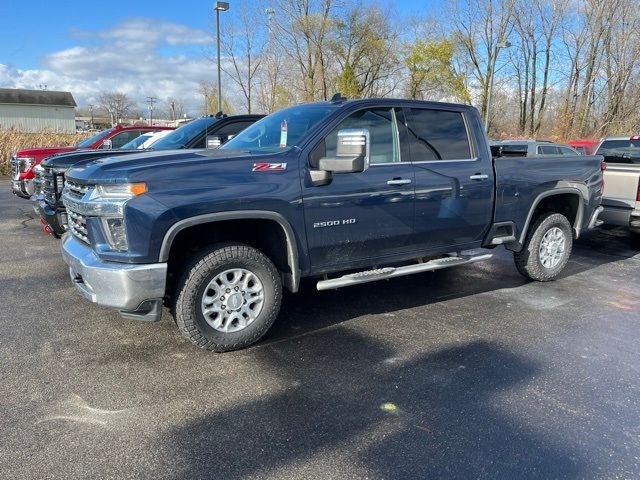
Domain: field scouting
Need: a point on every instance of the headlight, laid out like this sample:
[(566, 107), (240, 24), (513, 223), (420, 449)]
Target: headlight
[(25, 163), (120, 191), (107, 201)]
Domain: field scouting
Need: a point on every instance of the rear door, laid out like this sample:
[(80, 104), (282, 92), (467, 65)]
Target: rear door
[(454, 179), (361, 215)]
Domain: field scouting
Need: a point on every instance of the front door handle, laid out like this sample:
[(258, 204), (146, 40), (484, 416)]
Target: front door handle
[(399, 181), (479, 176)]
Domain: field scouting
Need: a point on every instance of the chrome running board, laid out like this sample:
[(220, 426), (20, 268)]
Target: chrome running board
[(392, 272)]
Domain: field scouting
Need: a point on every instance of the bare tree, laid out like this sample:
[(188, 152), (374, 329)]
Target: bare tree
[(479, 26), (174, 107), (365, 46), (116, 104), (302, 28)]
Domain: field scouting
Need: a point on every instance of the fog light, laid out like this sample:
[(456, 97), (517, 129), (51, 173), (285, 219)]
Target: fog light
[(115, 233)]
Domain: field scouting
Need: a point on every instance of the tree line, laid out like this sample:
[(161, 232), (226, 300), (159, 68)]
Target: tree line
[(559, 68), (556, 68)]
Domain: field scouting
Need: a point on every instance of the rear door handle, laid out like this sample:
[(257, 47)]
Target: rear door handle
[(478, 176), (399, 181)]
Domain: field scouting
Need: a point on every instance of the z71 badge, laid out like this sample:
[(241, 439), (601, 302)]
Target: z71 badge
[(269, 167)]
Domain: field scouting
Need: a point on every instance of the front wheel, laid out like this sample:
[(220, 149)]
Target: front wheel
[(227, 298), (546, 249)]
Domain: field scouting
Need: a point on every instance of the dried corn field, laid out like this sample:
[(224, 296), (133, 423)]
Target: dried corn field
[(13, 141)]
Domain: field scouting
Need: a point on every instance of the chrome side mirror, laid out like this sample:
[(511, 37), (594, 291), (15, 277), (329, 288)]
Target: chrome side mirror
[(352, 152), (106, 145)]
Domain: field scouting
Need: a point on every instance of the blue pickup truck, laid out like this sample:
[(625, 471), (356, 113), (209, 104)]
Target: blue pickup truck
[(342, 191)]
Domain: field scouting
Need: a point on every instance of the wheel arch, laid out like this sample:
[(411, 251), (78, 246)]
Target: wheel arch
[(292, 280), (544, 199)]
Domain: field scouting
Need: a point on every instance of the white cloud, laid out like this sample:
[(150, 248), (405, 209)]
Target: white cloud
[(126, 58)]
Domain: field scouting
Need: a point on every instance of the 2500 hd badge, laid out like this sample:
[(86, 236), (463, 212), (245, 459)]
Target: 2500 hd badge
[(334, 223)]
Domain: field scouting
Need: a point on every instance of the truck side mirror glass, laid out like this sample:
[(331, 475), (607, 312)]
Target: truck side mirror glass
[(352, 152), (214, 141), (106, 145)]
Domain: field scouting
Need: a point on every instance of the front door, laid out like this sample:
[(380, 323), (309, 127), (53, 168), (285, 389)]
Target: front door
[(363, 215)]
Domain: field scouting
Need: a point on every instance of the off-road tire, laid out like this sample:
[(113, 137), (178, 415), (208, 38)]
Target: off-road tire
[(198, 273), (528, 259)]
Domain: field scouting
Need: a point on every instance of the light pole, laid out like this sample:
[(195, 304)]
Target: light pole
[(499, 45), (219, 7)]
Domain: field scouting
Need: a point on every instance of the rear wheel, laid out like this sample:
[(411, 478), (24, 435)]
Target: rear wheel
[(228, 297), (546, 249)]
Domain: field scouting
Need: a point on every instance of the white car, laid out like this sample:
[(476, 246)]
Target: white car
[(146, 140)]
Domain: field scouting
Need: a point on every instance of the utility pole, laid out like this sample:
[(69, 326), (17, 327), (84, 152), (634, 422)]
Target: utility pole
[(219, 7), (91, 113), (150, 102)]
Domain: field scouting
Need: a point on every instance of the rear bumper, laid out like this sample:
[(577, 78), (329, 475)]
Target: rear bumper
[(22, 188), (135, 290), (622, 217)]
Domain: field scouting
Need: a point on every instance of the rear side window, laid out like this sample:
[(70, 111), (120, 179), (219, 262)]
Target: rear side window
[(548, 150), (514, 149), (566, 151), (437, 135)]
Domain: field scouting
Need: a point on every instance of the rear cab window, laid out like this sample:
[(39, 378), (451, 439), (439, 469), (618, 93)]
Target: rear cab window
[(437, 135), (620, 151)]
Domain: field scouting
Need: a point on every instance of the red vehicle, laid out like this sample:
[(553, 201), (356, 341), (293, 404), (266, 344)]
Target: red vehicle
[(585, 147), (24, 161)]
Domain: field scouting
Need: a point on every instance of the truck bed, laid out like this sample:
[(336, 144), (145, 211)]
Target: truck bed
[(522, 181)]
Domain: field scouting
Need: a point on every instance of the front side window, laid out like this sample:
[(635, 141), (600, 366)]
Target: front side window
[(120, 139), (383, 135), (437, 135), (87, 142)]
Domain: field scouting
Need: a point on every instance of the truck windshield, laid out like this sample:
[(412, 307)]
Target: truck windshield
[(281, 130), (87, 142), (183, 136), (620, 151)]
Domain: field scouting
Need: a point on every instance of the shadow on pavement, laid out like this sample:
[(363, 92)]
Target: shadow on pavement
[(428, 417)]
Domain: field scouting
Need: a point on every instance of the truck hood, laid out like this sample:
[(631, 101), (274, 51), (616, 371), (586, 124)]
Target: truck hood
[(170, 165), (69, 159), (45, 151)]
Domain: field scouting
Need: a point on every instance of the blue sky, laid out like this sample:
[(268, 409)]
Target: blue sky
[(136, 46)]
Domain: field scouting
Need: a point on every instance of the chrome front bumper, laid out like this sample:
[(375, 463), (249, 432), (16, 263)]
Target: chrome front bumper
[(133, 289), (22, 188)]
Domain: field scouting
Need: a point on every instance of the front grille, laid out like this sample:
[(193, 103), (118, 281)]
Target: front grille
[(78, 225), (52, 185), (77, 190), (15, 167)]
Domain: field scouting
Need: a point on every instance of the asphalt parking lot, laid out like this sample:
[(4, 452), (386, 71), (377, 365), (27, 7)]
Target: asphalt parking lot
[(463, 373)]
